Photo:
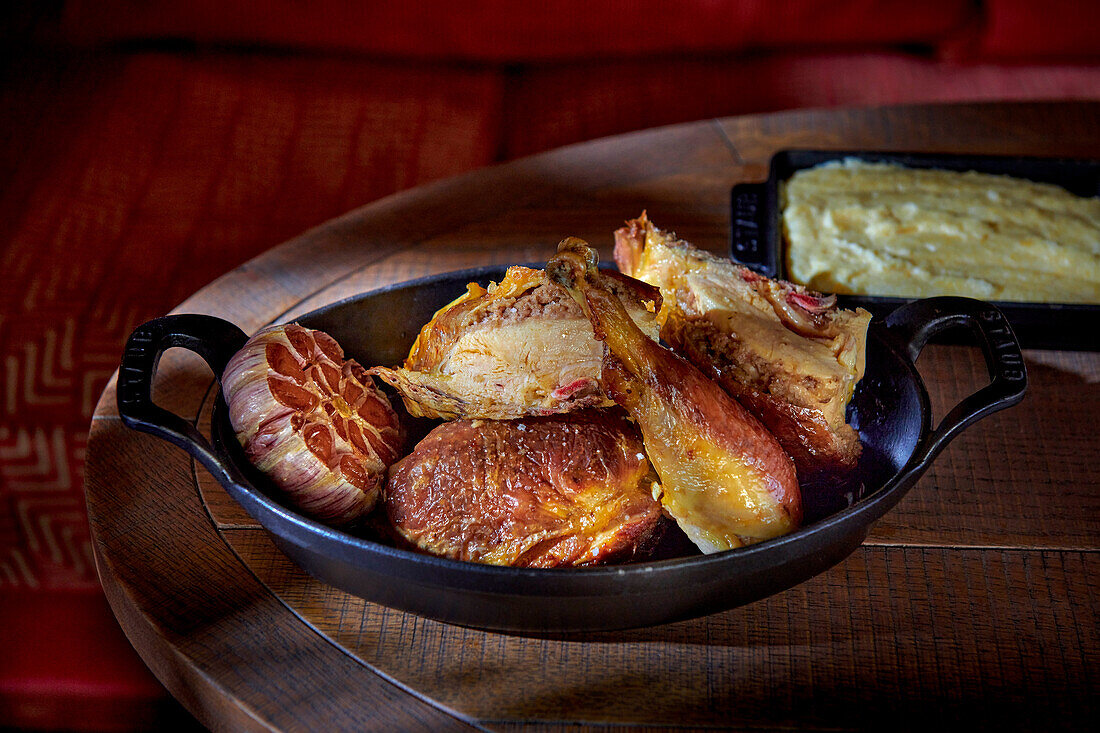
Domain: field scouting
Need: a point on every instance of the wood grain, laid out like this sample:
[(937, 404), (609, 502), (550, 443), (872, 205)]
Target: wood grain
[(973, 602), (216, 627), (884, 606)]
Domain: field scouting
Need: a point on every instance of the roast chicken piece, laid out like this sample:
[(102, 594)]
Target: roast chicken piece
[(518, 348), (724, 478), (788, 354), (542, 492)]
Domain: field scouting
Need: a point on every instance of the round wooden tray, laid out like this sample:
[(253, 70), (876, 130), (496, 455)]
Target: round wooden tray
[(976, 596)]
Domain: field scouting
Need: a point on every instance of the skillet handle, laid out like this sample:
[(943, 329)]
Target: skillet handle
[(214, 339), (752, 239), (914, 324)]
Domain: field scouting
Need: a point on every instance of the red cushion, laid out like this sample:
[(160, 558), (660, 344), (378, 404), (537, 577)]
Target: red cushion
[(1026, 29), (554, 106), (134, 180), (174, 169), (130, 182), (66, 665), (515, 31)]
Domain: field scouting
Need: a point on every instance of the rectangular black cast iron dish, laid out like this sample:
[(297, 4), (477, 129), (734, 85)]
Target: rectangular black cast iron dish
[(757, 241), (890, 409)]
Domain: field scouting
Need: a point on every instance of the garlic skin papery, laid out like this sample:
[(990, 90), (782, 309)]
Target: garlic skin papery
[(311, 421)]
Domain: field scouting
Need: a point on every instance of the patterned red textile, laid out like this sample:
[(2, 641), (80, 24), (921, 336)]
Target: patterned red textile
[(129, 181)]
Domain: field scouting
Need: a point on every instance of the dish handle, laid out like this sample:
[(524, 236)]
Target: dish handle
[(753, 243), (914, 324), (214, 339)]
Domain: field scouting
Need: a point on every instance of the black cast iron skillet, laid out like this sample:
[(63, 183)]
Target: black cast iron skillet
[(890, 410)]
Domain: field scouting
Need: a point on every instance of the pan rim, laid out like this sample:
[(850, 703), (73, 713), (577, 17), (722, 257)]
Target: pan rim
[(858, 516)]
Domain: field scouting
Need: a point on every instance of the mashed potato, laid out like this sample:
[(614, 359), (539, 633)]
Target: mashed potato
[(881, 229)]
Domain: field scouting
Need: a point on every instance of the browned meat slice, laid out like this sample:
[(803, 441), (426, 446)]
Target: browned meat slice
[(538, 492), (725, 479), (518, 348), (790, 355)]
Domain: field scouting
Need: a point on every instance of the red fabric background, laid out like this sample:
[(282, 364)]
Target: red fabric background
[(129, 181), (65, 665), (1027, 30), (507, 30), (130, 177), (559, 104)]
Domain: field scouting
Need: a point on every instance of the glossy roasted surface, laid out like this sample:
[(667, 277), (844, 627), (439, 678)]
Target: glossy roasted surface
[(534, 492), (787, 354), (724, 478), (311, 421)]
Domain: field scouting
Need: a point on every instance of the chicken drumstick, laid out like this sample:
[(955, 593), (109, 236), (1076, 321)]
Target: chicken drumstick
[(724, 478)]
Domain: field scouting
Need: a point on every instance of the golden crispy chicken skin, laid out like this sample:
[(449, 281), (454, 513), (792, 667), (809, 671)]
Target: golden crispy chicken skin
[(788, 354), (542, 492), (724, 478), (518, 348)]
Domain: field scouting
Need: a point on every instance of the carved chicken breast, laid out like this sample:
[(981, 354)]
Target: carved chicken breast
[(518, 348), (538, 492), (790, 355), (724, 478)]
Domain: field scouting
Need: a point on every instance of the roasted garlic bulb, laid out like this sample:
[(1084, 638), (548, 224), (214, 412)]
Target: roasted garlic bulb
[(540, 492), (724, 478), (788, 354), (312, 421), (518, 348)]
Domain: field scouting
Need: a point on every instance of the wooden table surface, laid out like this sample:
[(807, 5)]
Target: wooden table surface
[(973, 602)]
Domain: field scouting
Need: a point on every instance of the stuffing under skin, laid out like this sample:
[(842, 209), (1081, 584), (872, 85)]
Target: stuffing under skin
[(519, 348), (788, 354)]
